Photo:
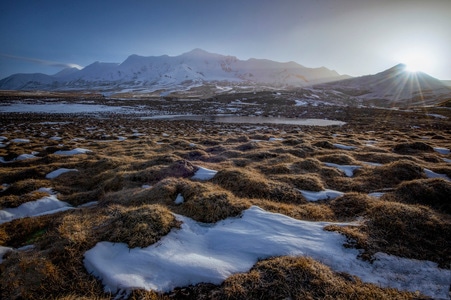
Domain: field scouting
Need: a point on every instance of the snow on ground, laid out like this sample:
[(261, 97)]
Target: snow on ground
[(179, 199), (437, 116), (204, 174), (273, 139), (44, 206), (442, 150), (321, 195), (18, 158), (25, 156), (72, 152), (376, 194), (66, 108), (347, 169), (4, 187), (58, 172), (3, 251), (432, 174), (200, 252), (301, 103), (447, 160), (344, 147), (20, 141), (374, 164)]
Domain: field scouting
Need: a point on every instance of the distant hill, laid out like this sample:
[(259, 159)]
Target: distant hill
[(192, 69), (392, 86)]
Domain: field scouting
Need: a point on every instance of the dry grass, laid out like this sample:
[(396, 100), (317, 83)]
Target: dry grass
[(139, 226), (309, 182), (412, 148), (350, 206), (404, 230), (246, 184), (299, 278), (434, 193)]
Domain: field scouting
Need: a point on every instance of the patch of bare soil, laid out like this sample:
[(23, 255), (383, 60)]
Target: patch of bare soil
[(136, 168)]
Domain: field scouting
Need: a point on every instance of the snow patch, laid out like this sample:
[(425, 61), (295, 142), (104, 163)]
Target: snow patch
[(321, 195), (442, 150), (344, 147), (432, 174), (44, 206), (58, 172), (347, 169), (204, 174), (20, 140), (179, 199), (73, 152), (3, 251), (200, 252)]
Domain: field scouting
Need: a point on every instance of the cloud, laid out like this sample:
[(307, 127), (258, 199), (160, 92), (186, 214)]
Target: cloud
[(42, 61)]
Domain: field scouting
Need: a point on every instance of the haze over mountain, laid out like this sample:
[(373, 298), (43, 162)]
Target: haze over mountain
[(194, 68)]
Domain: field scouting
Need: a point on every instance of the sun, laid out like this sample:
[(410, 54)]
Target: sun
[(417, 61)]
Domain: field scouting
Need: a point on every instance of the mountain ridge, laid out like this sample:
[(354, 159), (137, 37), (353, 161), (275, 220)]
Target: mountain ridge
[(195, 67)]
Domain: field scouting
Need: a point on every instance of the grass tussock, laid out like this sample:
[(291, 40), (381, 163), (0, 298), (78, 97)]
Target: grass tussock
[(434, 192), (300, 278), (139, 226), (308, 211), (205, 202), (26, 231), (179, 168), (398, 171), (339, 158), (26, 186), (12, 201), (309, 182), (324, 145), (415, 232), (247, 184), (371, 179), (412, 148), (308, 165), (350, 206)]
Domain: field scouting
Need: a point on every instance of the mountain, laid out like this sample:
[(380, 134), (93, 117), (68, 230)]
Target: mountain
[(191, 69), (394, 85)]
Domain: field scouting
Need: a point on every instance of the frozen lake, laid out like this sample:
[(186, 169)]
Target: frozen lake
[(250, 120)]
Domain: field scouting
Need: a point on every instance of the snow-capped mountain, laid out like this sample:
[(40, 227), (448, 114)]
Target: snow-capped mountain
[(393, 85), (193, 68)]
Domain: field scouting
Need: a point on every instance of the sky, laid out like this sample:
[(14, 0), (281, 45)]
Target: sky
[(354, 37)]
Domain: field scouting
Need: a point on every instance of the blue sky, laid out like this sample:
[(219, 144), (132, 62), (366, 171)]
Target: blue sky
[(355, 37)]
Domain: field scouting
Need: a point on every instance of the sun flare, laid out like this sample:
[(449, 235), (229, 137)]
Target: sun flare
[(417, 61)]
